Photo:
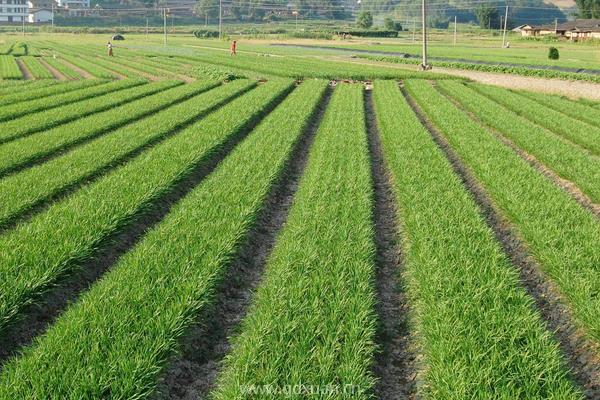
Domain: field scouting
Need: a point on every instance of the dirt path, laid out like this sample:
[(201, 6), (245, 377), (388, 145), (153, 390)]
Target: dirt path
[(75, 68), (56, 73), (24, 71), (580, 353), (170, 74), (445, 59), (572, 89), (395, 362), (113, 69)]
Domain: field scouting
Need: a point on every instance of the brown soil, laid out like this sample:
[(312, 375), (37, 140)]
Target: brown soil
[(395, 362), (580, 353), (38, 317), (564, 184), (56, 73), (80, 71), (193, 373), (572, 89), (184, 78), (24, 71), (117, 73), (43, 203)]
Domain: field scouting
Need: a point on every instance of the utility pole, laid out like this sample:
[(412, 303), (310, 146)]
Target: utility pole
[(147, 26), (555, 26), (296, 14), (52, 15), (455, 30), (23, 19), (424, 64), (172, 23), (505, 21), (414, 28), (501, 25), (165, 25), (220, 19)]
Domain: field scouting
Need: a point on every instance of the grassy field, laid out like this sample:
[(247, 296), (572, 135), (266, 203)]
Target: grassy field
[(470, 47), (179, 223)]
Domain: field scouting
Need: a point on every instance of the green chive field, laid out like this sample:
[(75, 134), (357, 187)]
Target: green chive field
[(179, 223)]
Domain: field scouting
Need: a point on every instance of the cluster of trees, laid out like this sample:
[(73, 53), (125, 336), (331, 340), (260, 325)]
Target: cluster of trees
[(588, 8), (364, 20), (257, 10), (487, 15)]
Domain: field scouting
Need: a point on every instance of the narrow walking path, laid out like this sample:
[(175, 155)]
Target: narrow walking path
[(56, 73), (24, 71), (572, 89)]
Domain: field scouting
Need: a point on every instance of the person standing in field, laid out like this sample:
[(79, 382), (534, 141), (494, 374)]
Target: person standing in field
[(233, 48), (110, 49)]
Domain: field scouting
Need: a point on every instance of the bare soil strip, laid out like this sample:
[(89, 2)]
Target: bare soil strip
[(581, 354), (447, 59), (38, 317), (82, 141), (75, 68), (193, 373), (42, 205), (395, 361), (56, 73), (112, 70), (566, 185), (24, 71), (171, 74), (571, 89)]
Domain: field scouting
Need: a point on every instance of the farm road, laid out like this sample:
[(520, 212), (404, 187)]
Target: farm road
[(571, 89), (448, 59)]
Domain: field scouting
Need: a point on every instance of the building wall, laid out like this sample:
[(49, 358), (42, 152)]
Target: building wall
[(528, 32), (36, 5), (13, 10), (40, 16), (74, 3)]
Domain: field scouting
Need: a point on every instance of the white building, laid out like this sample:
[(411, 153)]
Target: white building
[(40, 15), (13, 10), (41, 10), (74, 4)]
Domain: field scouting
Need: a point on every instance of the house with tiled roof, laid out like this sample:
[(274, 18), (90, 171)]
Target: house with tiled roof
[(579, 29)]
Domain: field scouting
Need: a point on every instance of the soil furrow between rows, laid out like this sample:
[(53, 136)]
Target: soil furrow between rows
[(193, 373), (566, 185), (38, 317), (45, 203), (395, 361), (580, 353)]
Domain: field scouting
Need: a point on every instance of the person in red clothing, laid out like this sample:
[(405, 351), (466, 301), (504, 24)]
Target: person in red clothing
[(233, 48)]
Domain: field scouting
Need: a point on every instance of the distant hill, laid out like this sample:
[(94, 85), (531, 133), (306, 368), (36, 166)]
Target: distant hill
[(520, 11), (562, 4)]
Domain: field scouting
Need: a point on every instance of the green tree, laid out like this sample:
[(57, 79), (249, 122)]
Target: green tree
[(364, 20), (391, 25), (588, 8), (208, 7), (487, 15)]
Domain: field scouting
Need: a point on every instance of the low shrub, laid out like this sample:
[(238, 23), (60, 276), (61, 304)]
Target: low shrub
[(205, 33)]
